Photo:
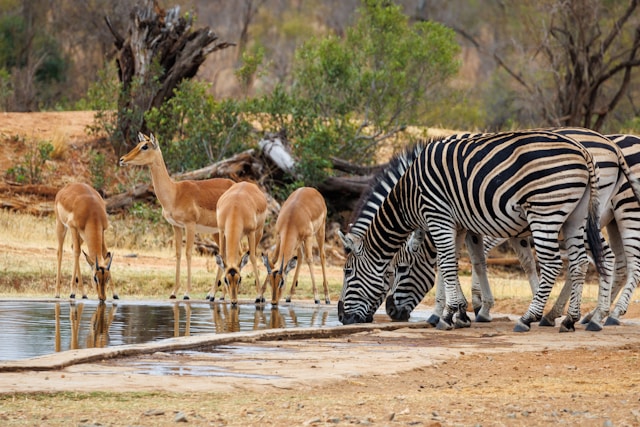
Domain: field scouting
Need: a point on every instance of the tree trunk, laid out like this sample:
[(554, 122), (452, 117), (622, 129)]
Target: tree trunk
[(160, 50)]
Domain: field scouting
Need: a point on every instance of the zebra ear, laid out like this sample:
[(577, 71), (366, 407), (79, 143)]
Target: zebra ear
[(349, 241), (416, 240)]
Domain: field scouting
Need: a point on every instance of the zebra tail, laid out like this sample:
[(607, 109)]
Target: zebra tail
[(593, 220), (634, 182)]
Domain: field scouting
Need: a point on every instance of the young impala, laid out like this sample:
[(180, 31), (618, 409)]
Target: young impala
[(303, 216), (242, 210), (187, 205), (80, 209)]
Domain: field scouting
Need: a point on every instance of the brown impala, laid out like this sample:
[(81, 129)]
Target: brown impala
[(187, 205), (241, 212), (80, 209), (303, 216)]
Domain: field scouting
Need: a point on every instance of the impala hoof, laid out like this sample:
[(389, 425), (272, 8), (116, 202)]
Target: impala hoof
[(317, 301), (72, 296), (186, 297), (172, 296), (85, 297), (115, 296), (288, 299), (327, 301)]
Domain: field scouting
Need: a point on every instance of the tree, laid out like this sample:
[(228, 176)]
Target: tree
[(372, 83), (161, 50), (577, 58)]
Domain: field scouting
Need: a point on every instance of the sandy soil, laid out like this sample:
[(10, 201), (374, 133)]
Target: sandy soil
[(379, 374)]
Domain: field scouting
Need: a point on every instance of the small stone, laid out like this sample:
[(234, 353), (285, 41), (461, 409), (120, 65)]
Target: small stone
[(180, 418)]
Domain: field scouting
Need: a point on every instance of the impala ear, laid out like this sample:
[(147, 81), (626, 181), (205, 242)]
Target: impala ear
[(153, 140), (141, 137), (244, 260), (291, 264), (265, 260), (219, 261)]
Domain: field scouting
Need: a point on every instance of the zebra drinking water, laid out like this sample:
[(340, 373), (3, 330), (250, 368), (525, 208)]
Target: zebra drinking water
[(410, 287), (503, 185)]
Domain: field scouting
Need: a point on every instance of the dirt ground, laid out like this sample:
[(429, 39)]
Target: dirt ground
[(379, 374)]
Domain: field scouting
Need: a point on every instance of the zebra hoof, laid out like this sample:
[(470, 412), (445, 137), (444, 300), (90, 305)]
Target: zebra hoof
[(443, 326), (567, 325), (521, 327), (476, 310), (594, 327), (433, 320), (586, 319), (459, 324), (545, 321), (483, 318), (612, 321)]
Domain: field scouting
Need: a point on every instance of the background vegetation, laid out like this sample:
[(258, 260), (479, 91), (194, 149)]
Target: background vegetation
[(339, 77)]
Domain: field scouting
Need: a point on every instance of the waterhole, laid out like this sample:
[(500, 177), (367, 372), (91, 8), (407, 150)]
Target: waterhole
[(37, 328)]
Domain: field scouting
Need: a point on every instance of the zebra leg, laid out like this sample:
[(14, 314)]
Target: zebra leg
[(548, 251), (604, 291), (524, 251), (556, 311), (475, 245), (441, 300), (627, 272)]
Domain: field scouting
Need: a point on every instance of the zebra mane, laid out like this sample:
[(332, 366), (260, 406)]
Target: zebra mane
[(381, 186)]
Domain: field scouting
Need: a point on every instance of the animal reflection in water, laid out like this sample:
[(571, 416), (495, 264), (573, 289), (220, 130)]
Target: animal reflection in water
[(99, 327), (226, 318)]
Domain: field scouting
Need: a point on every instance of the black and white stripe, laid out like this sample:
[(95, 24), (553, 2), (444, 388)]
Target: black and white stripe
[(503, 185)]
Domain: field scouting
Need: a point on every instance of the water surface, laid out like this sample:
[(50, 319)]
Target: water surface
[(36, 328)]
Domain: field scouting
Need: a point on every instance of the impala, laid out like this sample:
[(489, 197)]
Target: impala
[(303, 216), (242, 210), (187, 205), (80, 209)]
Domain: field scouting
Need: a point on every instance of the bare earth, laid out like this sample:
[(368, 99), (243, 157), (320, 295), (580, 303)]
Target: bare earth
[(379, 374)]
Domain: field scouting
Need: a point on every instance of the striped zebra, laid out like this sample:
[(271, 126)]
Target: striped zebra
[(624, 239), (409, 288), (371, 200), (502, 185)]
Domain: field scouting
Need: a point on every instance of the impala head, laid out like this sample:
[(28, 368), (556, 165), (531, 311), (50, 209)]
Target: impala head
[(101, 274), (277, 278), (363, 286), (142, 154), (232, 276)]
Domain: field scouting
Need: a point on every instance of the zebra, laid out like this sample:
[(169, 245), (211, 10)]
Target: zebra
[(505, 185), (410, 288), (625, 242)]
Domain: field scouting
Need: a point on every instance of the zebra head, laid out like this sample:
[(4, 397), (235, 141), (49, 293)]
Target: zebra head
[(363, 287), (414, 273)]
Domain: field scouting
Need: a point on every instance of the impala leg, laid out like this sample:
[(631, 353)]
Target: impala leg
[(294, 282), (217, 283), (61, 232), (76, 279), (320, 236), (191, 235), (254, 238), (177, 237)]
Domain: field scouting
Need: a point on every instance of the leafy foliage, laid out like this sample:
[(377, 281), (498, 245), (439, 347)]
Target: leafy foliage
[(195, 130)]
